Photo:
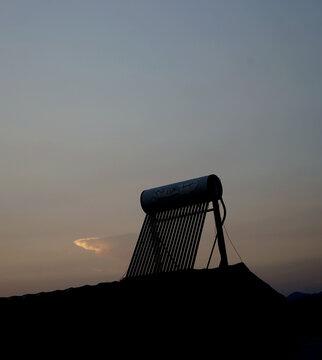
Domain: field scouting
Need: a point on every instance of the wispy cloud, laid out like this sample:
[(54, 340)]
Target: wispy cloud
[(117, 249), (95, 244)]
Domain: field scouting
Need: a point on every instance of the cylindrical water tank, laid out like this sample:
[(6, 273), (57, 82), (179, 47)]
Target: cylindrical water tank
[(205, 188)]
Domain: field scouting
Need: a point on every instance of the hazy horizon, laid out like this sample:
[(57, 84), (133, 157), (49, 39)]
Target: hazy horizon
[(103, 99)]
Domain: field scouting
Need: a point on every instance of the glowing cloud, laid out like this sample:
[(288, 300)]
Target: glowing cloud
[(92, 243)]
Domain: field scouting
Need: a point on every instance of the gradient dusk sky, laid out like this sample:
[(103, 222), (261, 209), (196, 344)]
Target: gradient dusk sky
[(103, 99)]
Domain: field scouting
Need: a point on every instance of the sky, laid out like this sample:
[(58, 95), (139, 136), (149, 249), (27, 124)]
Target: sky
[(100, 100)]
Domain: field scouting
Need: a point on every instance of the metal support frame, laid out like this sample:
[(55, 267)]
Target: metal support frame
[(220, 234)]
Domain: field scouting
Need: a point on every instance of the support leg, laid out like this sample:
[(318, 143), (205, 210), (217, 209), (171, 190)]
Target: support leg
[(220, 233)]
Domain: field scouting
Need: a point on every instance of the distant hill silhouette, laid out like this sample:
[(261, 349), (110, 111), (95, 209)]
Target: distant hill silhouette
[(220, 313), (300, 295)]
